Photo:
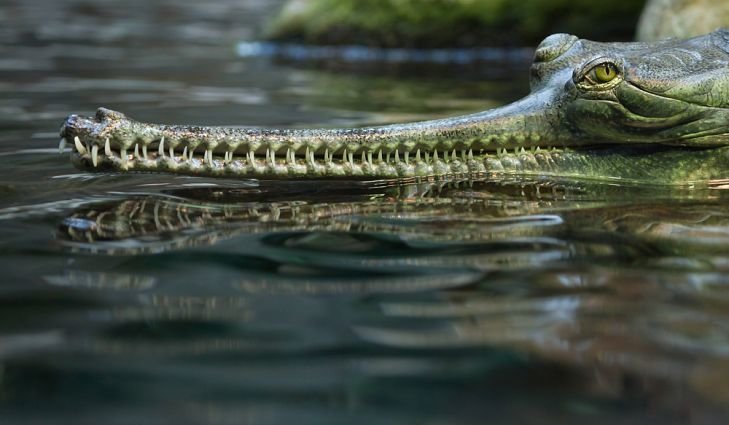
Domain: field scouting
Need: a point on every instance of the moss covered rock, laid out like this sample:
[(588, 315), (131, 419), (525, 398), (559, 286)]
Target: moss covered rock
[(439, 23)]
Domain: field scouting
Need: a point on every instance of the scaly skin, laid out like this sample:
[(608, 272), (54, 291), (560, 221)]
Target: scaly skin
[(671, 93)]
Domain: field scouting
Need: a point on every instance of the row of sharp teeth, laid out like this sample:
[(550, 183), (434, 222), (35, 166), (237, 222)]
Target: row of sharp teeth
[(367, 157)]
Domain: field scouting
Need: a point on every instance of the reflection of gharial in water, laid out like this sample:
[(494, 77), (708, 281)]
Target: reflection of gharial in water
[(627, 299), (190, 217), (667, 101), (630, 298), (525, 222)]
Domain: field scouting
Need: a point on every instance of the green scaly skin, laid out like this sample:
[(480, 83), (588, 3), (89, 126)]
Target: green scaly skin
[(663, 118)]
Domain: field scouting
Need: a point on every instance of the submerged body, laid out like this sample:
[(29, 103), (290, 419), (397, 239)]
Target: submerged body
[(655, 112)]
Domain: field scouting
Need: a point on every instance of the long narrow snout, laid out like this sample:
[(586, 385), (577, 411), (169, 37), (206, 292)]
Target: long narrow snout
[(449, 145)]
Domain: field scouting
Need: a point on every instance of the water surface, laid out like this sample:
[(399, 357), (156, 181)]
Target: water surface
[(154, 299)]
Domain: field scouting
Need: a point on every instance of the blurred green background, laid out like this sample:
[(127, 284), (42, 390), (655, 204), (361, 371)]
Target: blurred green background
[(460, 23)]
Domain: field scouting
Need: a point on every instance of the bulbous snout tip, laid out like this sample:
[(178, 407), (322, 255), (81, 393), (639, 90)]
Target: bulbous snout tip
[(82, 126), (75, 125)]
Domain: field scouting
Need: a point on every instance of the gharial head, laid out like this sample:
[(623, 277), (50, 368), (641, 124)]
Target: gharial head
[(584, 93), (672, 92)]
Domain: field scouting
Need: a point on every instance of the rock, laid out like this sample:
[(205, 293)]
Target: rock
[(681, 18)]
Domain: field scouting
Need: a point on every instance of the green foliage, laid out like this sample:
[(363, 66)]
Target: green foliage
[(452, 22)]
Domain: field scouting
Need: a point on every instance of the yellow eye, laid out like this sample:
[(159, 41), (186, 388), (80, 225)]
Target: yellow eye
[(598, 75), (604, 73)]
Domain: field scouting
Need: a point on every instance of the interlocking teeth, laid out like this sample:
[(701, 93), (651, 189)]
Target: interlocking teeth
[(355, 161), (79, 147), (95, 155)]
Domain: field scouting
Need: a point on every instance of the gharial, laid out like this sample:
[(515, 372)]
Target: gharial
[(656, 112)]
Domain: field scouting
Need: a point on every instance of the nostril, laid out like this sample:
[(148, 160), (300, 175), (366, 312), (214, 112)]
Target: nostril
[(68, 125)]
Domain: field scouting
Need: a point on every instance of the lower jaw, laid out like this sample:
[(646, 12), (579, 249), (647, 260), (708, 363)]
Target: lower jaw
[(635, 164), (464, 163)]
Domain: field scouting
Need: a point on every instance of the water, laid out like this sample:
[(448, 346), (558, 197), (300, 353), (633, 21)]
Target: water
[(153, 299)]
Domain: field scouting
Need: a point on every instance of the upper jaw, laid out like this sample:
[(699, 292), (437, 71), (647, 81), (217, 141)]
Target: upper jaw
[(107, 126), (111, 139)]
